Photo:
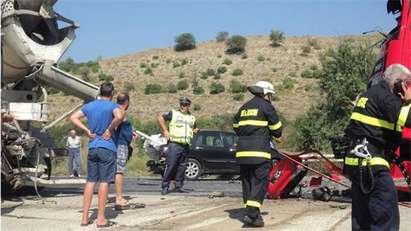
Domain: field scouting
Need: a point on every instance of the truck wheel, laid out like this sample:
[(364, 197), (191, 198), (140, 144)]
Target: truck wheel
[(193, 170)]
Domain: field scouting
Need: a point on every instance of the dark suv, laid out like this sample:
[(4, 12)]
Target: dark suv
[(211, 152)]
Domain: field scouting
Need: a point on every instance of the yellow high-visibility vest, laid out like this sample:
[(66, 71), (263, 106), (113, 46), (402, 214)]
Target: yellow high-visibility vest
[(181, 127)]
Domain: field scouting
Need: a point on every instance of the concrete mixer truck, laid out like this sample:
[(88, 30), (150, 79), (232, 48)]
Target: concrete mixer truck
[(33, 41)]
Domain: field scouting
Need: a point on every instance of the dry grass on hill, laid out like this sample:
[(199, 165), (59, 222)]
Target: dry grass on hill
[(263, 62)]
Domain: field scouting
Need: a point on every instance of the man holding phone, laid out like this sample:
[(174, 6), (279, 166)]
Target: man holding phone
[(375, 129)]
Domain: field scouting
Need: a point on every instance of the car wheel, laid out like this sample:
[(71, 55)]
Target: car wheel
[(193, 170)]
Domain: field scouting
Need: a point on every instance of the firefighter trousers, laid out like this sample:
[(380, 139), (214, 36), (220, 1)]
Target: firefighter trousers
[(254, 179), (377, 210), (176, 163)]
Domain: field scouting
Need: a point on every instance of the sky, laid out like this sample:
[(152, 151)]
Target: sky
[(110, 28)]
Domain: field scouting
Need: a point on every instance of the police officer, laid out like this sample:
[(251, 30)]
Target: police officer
[(182, 126), (256, 124), (375, 129)]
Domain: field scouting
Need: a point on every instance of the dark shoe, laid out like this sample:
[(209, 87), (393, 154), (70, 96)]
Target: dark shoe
[(164, 191), (255, 222), (181, 190), (108, 224)]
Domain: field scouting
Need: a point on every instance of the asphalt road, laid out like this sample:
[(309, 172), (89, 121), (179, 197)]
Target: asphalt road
[(211, 205), (152, 186)]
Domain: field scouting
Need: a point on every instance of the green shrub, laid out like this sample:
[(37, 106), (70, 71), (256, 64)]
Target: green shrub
[(314, 67), (236, 44), (129, 86), (293, 74), (244, 56), (198, 90), (261, 58), (152, 88), (67, 65), (182, 85), (94, 66), (238, 97), (237, 87), (313, 43), (210, 72), (288, 83), (105, 78), (216, 88), (185, 41), (196, 107), (237, 72), (176, 64), (307, 74), (148, 71), (184, 61), (227, 62), (143, 65), (306, 50), (181, 75), (276, 38), (217, 76), (222, 36), (204, 75), (154, 65), (84, 72), (155, 57), (274, 69), (172, 88), (221, 70)]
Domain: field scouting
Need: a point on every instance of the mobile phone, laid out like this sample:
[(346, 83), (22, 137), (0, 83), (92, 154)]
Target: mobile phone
[(398, 90)]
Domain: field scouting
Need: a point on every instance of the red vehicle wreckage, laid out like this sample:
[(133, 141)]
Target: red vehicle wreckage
[(287, 173)]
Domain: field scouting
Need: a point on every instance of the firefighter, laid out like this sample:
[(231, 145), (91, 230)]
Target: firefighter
[(375, 131), (179, 134), (256, 124)]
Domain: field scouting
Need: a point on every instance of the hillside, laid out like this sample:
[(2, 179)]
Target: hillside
[(281, 65)]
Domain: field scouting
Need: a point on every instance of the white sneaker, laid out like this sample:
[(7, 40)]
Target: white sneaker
[(71, 175), (79, 175)]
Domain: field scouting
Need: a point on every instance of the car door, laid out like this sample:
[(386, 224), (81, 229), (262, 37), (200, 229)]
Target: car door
[(209, 147), (230, 142)]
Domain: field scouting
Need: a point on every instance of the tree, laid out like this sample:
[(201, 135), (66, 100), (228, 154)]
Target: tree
[(236, 44), (185, 41), (67, 65), (276, 38), (222, 36), (342, 77)]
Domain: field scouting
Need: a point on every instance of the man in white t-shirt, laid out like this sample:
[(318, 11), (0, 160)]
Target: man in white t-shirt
[(73, 145)]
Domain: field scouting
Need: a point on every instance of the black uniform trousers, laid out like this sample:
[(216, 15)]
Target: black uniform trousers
[(377, 210), (176, 164), (255, 180)]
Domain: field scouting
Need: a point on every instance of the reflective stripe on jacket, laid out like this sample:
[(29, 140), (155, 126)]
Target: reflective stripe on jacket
[(380, 117), (256, 123)]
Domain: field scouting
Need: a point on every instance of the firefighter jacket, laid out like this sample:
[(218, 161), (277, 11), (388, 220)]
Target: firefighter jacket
[(379, 116), (181, 127), (256, 124)]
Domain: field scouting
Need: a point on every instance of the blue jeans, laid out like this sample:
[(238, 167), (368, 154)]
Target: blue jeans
[(101, 165), (74, 155)]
